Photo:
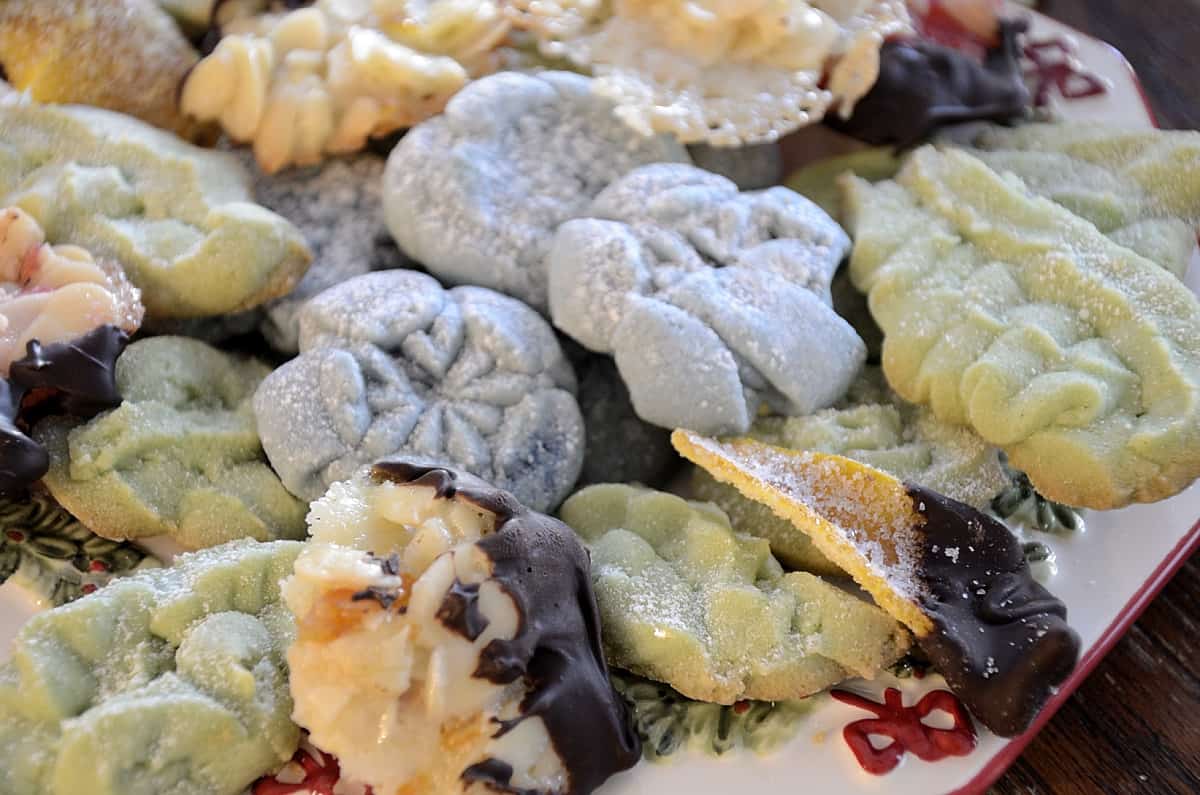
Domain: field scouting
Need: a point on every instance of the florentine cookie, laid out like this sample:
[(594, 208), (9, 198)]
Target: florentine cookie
[(954, 576), (687, 601), (177, 218), (701, 291), (725, 73), (475, 194), (123, 55), (1008, 313), (432, 607), (179, 456), (183, 666), (392, 363)]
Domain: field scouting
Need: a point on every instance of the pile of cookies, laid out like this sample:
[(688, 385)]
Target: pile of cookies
[(358, 377)]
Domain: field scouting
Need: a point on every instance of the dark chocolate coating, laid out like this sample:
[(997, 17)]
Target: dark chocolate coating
[(923, 86), (76, 377), (80, 374), (1001, 640), (22, 460), (541, 565)]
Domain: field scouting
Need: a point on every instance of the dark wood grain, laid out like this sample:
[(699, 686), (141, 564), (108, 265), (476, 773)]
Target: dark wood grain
[(1134, 725)]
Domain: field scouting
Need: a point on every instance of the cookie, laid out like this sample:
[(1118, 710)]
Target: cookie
[(725, 74), (180, 456), (754, 167), (303, 83), (123, 55), (339, 206), (619, 446), (873, 426), (55, 293), (392, 363), (687, 601), (697, 289), (432, 607), (184, 666), (1139, 187), (1008, 313), (178, 219), (476, 194), (954, 576)]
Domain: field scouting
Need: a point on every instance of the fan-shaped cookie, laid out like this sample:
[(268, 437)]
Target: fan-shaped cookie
[(954, 576), (177, 218), (724, 73), (1008, 313), (701, 291), (687, 601), (391, 363), (1139, 187), (179, 456), (175, 678), (431, 608), (475, 194), (55, 293), (305, 82), (124, 55)]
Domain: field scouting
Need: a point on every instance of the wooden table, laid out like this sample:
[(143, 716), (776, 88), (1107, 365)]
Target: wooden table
[(1134, 725)]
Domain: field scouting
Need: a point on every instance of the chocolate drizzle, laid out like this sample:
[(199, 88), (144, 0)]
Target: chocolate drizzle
[(1001, 640), (541, 565), (460, 612), (76, 378), (923, 86)]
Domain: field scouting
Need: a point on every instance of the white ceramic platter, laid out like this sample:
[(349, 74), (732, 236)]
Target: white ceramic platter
[(1107, 574)]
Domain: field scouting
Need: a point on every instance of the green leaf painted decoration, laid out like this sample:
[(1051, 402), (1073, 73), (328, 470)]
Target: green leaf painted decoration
[(668, 722), (45, 549), (1020, 504)]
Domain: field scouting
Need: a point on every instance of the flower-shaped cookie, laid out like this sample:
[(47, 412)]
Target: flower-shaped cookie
[(687, 601), (393, 364), (475, 194), (1007, 312), (55, 293), (718, 71), (184, 665), (713, 302), (179, 456), (322, 79), (177, 218)]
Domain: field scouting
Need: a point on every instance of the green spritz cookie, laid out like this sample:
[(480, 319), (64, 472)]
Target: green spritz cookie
[(1010, 314), (687, 601), (180, 456), (179, 219), (1139, 187), (169, 681)]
